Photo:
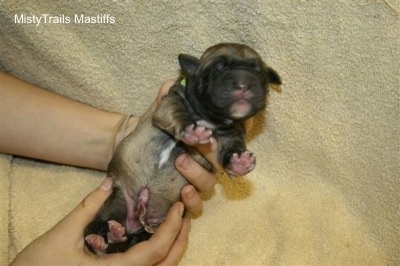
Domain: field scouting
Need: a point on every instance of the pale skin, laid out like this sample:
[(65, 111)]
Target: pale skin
[(40, 124)]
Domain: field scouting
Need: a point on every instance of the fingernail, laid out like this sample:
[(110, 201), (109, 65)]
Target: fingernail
[(184, 161), (107, 184)]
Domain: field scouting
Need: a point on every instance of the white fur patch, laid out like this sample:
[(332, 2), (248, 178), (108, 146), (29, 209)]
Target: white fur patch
[(165, 154), (206, 124)]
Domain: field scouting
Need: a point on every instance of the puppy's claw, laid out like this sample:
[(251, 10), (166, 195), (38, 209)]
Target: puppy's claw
[(194, 135)]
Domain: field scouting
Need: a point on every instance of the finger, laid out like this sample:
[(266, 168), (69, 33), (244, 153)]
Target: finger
[(85, 212), (202, 179), (179, 246), (157, 247), (164, 89), (191, 199)]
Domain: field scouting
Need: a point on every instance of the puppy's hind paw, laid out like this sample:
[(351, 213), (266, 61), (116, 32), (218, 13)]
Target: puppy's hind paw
[(116, 233), (241, 164), (97, 243), (193, 135)]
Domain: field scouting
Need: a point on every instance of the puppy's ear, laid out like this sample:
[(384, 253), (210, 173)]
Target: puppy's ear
[(188, 64), (273, 76)]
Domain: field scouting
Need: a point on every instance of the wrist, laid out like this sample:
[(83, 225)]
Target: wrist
[(125, 126)]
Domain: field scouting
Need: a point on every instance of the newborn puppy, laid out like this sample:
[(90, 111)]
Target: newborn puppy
[(219, 91)]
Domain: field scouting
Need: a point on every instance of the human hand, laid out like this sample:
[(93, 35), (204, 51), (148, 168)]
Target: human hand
[(64, 244)]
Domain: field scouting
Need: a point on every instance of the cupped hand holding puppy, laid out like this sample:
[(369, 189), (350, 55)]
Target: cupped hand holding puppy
[(64, 243)]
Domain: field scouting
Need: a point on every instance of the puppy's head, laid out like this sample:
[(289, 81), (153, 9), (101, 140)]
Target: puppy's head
[(228, 83)]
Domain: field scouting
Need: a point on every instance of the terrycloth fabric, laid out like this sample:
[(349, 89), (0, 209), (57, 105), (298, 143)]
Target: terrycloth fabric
[(326, 187)]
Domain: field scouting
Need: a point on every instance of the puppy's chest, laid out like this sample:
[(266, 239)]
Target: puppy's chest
[(167, 152), (164, 149)]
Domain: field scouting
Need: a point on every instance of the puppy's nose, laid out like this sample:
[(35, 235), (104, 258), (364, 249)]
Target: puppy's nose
[(242, 85)]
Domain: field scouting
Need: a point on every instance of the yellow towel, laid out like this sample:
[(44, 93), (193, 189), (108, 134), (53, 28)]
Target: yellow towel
[(325, 190)]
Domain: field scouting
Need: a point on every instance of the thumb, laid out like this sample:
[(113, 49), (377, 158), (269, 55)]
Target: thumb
[(85, 212)]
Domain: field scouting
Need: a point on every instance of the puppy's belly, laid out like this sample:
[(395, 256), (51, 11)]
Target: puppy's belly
[(147, 161), (165, 184)]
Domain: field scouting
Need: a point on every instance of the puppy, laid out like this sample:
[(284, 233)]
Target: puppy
[(218, 92)]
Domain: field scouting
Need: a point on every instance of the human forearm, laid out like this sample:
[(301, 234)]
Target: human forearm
[(43, 125)]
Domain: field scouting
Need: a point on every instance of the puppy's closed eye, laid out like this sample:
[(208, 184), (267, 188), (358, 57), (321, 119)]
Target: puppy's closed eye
[(220, 66)]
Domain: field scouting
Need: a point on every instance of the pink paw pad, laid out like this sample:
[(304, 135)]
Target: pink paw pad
[(116, 233), (97, 243), (242, 164), (193, 135)]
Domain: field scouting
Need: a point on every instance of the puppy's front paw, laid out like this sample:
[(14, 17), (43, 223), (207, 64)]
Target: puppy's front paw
[(193, 135), (241, 164)]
